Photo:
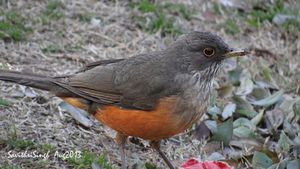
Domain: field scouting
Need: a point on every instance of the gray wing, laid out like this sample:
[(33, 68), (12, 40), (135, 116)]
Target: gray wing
[(145, 79), (137, 82)]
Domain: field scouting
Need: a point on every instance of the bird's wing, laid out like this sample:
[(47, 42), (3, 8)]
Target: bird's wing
[(98, 63), (131, 83), (96, 84)]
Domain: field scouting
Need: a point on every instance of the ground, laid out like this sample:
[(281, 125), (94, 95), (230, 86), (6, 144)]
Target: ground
[(257, 101)]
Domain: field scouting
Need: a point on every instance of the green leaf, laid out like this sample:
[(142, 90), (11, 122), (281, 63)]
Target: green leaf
[(296, 108), (260, 93), (247, 113), (4, 102), (287, 104), (242, 104), (231, 27), (281, 165), (283, 142), (224, 132), (150, 166), (146, 6), (269, 100), (256, 120), (261, 160), (295, 164), (244, 107), (266, 73), (243, 122), (234, 75), (214, 112), (243, 132)]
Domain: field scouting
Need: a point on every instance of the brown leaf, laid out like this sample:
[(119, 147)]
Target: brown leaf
[(201, 131), (212, 146), (225, 91)]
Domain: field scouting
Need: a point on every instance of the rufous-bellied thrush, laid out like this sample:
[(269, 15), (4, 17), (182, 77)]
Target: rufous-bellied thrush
[(153, 96)]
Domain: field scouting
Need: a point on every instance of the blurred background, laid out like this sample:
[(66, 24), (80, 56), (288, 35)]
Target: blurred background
[(252, 122)]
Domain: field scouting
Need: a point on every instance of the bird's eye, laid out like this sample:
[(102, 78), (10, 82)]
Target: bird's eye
[(208, 52)]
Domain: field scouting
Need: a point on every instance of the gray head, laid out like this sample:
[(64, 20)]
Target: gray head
[(201, 51)]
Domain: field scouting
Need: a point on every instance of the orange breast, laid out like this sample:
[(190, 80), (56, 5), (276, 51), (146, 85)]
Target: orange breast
[(151, 125)]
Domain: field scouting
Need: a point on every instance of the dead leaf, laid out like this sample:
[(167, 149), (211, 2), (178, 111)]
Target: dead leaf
[(201, 131), (215, 156), (246, 84), (28, 91), (212, 125), (225, 91), (228, 110), (211, 147), (243, 143), (264, 84), (274, 118), (76, 114)]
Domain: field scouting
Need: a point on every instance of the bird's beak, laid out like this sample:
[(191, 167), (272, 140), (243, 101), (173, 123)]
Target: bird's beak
[(236, 52)]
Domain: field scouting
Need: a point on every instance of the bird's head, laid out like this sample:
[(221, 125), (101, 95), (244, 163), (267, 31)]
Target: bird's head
[(201, 51)]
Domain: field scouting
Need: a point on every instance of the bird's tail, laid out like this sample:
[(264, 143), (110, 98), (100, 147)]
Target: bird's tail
[(32, 80)]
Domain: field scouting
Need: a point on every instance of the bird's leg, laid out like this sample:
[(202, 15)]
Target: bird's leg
[(121, 140), (156, 146)]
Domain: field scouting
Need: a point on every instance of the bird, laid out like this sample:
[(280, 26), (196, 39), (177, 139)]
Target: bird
[(152, 96)]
